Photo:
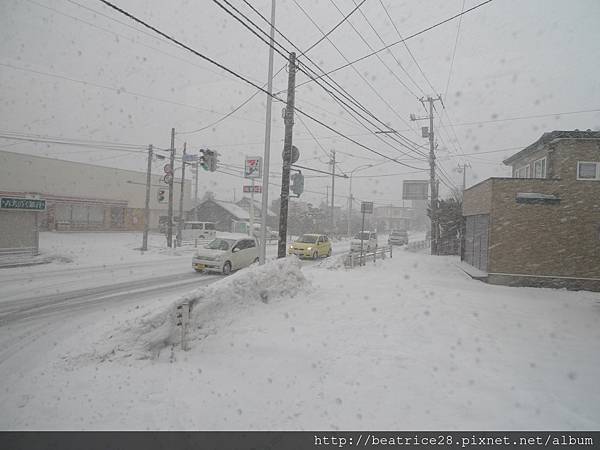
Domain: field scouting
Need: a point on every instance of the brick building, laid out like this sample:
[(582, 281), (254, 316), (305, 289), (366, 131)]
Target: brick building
[(542, 226)]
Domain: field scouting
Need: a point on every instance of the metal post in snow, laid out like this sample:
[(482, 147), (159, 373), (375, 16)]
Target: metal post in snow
[(147, 206), (180, 222), (252, 209), (267, 152), (362, 236)]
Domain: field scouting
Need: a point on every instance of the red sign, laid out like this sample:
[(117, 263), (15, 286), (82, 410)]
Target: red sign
[(257, 189)]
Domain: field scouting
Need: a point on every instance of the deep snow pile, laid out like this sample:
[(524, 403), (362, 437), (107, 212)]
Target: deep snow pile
[(211, 307)]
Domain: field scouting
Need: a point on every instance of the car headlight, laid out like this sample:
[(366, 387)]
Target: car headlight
[(291, 247), (309, 249)]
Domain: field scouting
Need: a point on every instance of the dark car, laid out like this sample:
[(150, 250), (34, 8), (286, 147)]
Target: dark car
[(398, 237)]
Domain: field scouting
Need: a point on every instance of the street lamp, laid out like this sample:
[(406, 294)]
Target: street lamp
[(356, 169)]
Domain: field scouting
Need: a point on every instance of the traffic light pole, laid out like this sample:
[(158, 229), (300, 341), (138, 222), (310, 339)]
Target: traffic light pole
[(287, 158), (147, 206), (170, 210)]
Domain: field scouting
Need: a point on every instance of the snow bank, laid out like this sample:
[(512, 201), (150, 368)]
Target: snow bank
[(211, 307)]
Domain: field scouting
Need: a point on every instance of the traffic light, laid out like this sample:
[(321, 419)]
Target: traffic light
[(203, 159), (298, 183), (162, 195), (212, 163)]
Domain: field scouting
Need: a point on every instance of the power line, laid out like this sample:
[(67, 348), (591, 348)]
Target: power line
[(257, 92), (367, 83), (390, 52), (402, 40), (246, 80), (406, 45), (114, 89), (325, 36), (339, 89), (454, 51)]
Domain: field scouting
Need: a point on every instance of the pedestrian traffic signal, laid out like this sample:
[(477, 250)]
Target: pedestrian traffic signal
[(297, 183), (162, 195)]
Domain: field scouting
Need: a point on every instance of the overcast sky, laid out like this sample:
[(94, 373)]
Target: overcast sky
[(77, 69)]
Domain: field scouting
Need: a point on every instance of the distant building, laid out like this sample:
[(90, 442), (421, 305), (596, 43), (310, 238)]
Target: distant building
[(272, 218), (390, 217), (227, 216), (84, 197), (542, 226)]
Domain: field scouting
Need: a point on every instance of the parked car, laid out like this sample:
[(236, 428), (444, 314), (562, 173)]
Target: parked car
[(398, 237), (311, 246), (224, 255), (369, 241), (198, 230)]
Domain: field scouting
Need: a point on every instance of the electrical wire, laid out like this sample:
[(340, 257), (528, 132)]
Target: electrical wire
[(246, 80), (403, 40), (339, 89), (454, 51)]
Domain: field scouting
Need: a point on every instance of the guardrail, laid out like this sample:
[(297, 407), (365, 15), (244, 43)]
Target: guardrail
[(355, 258), (417, 245)]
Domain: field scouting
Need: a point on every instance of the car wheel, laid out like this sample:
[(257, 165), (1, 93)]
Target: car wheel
[(199, 270), (329, 252), (227, 268), (256, 260)]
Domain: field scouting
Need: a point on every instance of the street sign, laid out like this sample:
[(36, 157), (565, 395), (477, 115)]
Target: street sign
[(415, 189), (253, 167), (366, 207), (295, 154), (30, 204), (257, 189), (167, 168), (190, 157), (168, 178)]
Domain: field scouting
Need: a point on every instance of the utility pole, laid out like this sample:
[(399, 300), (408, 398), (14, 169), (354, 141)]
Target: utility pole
[(287, 158), (147, 206), (196, 187), (432, 182), (332, 190), (463, 169), (180, 222), (170, 210), (267, 153)]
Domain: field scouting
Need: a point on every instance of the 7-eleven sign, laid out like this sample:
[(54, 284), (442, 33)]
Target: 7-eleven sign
[(253, 167)]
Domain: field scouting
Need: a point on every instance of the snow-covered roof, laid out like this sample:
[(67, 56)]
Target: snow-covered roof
[(234, 209), (550, 136), (258, 206)]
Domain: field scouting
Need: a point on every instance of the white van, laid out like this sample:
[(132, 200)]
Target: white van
[(198, 230)]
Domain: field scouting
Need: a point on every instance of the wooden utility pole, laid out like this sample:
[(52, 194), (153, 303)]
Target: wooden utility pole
[(170, 210), (147, 206), (287, 158)]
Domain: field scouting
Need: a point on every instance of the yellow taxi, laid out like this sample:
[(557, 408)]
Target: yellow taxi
[(311, 246)]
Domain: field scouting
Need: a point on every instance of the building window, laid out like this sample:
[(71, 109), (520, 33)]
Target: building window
[(588, 170), (522, 172), (539, 168)]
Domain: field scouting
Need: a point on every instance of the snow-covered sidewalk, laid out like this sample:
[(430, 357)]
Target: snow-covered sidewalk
[(407, 343)]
